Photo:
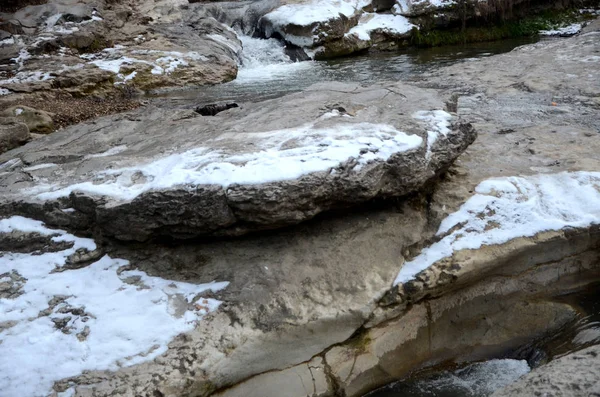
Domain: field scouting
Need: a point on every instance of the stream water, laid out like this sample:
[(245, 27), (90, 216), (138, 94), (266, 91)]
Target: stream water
[(483, 378), (266, 72)]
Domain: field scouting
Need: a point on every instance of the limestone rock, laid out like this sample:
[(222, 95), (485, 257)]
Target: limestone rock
[(37, 121), (575, 375), (72, 47), (308, 23), (339, 145), (12, 134)]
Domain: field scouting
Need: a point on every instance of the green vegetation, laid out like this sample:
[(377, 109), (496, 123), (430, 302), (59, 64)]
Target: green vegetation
[(529, 26), (359, 342)]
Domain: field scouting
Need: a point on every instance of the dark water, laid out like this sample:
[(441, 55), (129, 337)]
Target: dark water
[(482, 379), (267, 73)]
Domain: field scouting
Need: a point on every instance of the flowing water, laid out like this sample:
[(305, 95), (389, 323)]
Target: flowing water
[(266, 72), (482, 379)]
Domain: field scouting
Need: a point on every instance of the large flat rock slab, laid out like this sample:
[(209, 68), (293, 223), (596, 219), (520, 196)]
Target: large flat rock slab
[(159, 172)]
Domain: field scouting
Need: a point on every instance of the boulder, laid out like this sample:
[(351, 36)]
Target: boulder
[(13, 133), (310, 23), (36, 120), (251, 168)]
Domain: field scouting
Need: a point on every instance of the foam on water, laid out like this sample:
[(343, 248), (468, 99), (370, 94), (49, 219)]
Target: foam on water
[(265, 60), (476, 380)]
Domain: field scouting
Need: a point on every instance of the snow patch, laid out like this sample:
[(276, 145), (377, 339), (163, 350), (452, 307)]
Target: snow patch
[(564, 31), (439, 122), (392, 24), (305, 14), (108, 318), (9, 41), (506, 208), (166, 63), (28, 77), (4, 91), (280, 155)]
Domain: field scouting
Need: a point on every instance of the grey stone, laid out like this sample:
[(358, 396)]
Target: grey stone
[(205, 210), (38, 121), (12, 133)]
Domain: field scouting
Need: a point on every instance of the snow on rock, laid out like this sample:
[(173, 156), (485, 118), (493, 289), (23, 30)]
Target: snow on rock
[(98, 317), (161, 62), (391, 24), (308, 13), (27, 77), (4, 91), (9, 41), (508, 208), (564, 31), (416, 7), (439, 122), (313, 150)]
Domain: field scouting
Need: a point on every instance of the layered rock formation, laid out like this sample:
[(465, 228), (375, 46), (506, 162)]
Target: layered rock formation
[(97, 47), (259, 167)]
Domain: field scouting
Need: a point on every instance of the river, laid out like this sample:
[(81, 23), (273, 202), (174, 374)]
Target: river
[(266, 72)]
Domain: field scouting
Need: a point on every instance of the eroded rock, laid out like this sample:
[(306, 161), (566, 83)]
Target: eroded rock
[(12, 133), (37, 121), (332, 146)]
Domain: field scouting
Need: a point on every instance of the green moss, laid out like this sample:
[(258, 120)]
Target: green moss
[(360, 342), (529, 26)]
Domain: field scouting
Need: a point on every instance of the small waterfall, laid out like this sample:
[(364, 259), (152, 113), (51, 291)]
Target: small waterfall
[(266, 60)]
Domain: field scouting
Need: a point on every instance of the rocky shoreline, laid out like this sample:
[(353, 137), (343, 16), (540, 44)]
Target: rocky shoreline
[(325, 243)]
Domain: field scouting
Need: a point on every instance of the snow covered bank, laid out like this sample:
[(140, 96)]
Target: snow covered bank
[(508, 208), (564, 31), (274, 156), (103, 316)]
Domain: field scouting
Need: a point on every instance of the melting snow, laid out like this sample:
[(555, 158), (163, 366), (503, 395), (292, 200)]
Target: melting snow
[(439, 122), (166, 63), (306, 14), (108, 318), (564, 31), (9, 41), (28, 77), (313, 150), (4, 91), (393, 24), (507, 208)]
